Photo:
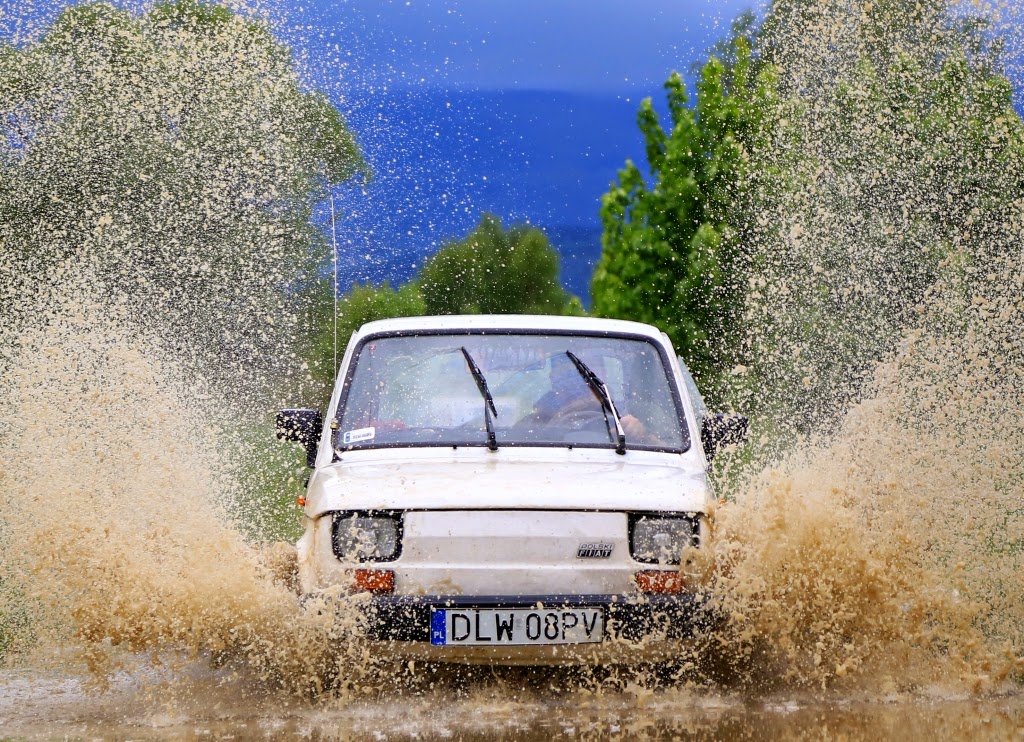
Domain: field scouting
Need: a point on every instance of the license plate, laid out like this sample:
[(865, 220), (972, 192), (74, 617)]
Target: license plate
[(516, 626)]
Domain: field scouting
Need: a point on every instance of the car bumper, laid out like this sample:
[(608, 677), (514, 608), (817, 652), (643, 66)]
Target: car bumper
[(632, 618), (637, 628)]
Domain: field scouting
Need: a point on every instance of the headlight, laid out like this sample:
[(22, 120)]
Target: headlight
[(367, 536), (657, 539)]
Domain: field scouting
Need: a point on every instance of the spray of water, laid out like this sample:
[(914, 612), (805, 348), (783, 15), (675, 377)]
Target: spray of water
[(884, 320), (158, 172), (883, 552), (115, 496)]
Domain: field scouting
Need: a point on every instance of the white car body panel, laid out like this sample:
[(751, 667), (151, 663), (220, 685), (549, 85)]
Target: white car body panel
[(512, 477), (459, 552)]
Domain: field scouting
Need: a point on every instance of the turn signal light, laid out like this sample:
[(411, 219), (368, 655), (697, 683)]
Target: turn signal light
[(660, 581), (375, 580)]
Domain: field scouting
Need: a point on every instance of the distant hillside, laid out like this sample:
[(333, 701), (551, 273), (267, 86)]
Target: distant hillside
[(441, 158)]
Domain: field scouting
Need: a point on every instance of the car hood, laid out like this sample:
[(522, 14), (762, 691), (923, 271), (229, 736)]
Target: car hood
[(546, 479)]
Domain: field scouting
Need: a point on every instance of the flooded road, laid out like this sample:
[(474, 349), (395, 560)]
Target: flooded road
[(857, 609), (194, 702)]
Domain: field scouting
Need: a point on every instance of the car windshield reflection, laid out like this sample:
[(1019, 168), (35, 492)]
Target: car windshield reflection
[(419, 390)]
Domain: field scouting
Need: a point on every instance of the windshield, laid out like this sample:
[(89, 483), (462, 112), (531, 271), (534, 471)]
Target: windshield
[(420, 390)]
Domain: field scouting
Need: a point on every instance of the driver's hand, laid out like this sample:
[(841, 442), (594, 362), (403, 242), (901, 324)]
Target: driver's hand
[(633, 428)]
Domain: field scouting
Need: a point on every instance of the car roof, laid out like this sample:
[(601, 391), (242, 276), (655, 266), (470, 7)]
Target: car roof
[(532, 322)]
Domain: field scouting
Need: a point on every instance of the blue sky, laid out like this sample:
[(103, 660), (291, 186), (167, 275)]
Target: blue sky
[(569, 45)]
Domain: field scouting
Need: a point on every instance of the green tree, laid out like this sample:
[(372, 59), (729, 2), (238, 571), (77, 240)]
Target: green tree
[(362, 304), (495, 271), (168, 160), (672, 247), (826, 183)]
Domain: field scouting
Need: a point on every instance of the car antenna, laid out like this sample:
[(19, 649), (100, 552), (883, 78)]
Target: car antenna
[(334, 244)]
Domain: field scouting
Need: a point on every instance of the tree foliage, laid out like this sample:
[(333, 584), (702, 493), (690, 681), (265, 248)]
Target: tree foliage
[(672, 249), (494, 271), (903, 171), (173, 158), (363, 303), (832, 175)]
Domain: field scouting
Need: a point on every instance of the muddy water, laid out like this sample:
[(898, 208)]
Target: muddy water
[(196, 702), (871, 573), (855, 608)]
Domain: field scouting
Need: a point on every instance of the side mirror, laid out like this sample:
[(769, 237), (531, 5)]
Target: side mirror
[(301, 426), (722, 429)]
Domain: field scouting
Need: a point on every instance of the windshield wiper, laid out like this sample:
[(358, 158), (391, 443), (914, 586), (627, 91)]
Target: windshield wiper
[(600, 390), (481, 384)]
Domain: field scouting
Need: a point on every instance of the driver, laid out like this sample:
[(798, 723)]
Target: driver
[(570, 394)]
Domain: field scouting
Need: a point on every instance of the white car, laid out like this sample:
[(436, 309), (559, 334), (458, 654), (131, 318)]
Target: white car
[(510, 489)]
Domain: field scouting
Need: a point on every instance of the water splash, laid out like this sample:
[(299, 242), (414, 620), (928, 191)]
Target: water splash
[(884, 553), (884, 320), (116, 500)]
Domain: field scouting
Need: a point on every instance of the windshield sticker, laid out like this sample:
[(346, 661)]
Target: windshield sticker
[(359, 435)]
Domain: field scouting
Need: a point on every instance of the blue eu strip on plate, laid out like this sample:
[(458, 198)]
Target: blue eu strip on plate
[(437, 627)]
